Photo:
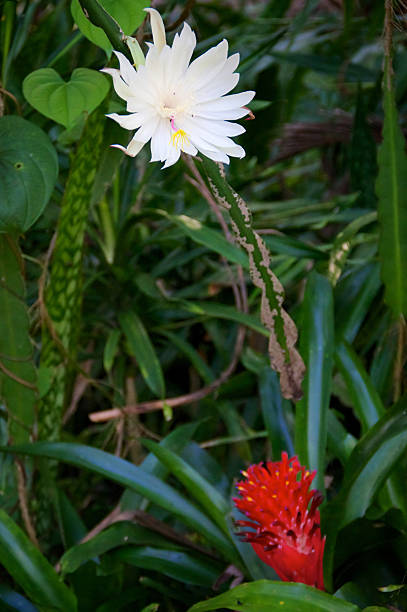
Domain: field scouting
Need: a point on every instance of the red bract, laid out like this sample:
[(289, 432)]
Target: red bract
[(283, 515)]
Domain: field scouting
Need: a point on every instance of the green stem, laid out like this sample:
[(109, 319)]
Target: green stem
[(8, 20), (283, 333), (99, 17)]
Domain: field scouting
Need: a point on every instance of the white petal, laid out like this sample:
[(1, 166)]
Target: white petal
[(161, 141), (157, 28), (144, 133), (128, 122), (232, 101), (217, 155), (188, 147), (218, 87), (219, 128), (173, 156), (119, 85), (194, 128), (207, 66), (132, 148), (207, 113), (127, 72), (181, 53), (235, 151)]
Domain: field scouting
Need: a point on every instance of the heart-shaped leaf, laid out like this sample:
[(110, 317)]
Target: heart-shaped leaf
[(128, 14), (64, 101), (28, 171)]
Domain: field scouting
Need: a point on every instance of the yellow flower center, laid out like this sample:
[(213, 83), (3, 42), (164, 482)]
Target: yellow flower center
[(179, 139)]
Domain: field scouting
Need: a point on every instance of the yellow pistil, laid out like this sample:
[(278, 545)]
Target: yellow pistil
[(179, 139)]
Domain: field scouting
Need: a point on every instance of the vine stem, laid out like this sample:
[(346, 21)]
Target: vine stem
[(101, 18), (284, 357)]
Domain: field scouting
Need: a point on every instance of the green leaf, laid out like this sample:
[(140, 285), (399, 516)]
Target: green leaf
[(135, 478), (275, 409), (369, 465), (111, 348), (270, 596), (221, 311), (197, 486), (192, 354), (17, 375), (176, 441), (391, 189), (129, 14), (12, 601), (212, 239), (62, 101), (140, 346), (365, 399), (122, 533), (182, 566), (317, 344), (28, 171), (30, 570)]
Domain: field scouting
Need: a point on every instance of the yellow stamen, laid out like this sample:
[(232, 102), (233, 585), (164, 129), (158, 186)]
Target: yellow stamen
[(179, 139)]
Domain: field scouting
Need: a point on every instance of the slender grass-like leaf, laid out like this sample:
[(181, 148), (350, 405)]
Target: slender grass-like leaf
[(141, 347), (317, 344), (182, 566), (391, 189), (369, 465), (275, 410), (30, 569), (366, 401), (129, 475), (122, 533), (207, 496)]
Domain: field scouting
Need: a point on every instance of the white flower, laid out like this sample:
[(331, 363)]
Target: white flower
[(177, 105)]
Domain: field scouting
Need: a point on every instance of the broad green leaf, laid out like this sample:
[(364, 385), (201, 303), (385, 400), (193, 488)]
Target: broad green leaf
[(125, 473), (65, 101), (17, 375), (182, 566), (122, 533), (30, 569), (28, 171), (140, 346), (317, 345), (268, 596), (391, 189), (367, 468), (129, 15), (207, 496)]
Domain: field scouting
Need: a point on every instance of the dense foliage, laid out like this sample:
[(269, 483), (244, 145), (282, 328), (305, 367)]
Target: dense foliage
[(135, 351)]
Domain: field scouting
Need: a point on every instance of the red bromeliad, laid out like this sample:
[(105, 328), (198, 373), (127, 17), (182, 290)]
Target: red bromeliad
[(287, 535)]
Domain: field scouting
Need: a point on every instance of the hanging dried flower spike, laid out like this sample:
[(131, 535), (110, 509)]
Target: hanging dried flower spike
[(284, 519)]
